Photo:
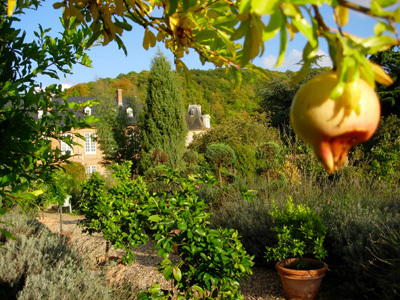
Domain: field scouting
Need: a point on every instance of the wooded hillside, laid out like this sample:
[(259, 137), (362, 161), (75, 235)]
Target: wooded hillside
[(212, 89)]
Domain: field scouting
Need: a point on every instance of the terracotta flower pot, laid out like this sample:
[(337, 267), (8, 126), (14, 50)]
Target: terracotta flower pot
[(301, 284)]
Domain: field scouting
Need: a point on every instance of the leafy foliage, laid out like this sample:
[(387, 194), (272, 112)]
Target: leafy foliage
[(213, 261), (220, 155), (300, 232), (25, 146), (113, 210)]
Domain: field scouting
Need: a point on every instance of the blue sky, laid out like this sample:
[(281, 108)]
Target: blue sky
[(109, 61)]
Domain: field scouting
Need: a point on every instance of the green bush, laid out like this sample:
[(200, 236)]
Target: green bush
[(213, 261), (38, 265), (112, 210), (300, 233), (220, 155), (245, 163)]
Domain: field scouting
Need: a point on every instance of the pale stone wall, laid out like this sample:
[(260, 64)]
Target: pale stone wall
[(79, 155)]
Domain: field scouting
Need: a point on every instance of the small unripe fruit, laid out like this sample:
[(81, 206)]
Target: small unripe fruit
[(333, 126)]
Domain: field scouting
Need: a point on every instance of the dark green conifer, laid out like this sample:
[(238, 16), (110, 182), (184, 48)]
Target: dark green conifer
[(163, 125)]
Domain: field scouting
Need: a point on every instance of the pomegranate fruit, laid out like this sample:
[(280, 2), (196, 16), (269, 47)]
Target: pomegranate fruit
[(333, 126)]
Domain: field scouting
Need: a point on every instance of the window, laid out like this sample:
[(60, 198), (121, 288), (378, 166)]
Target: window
[(90, 143), (91, 169), (129, 112), (87, 110), (65, 148)]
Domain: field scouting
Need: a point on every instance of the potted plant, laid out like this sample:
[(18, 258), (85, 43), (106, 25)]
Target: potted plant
[(299, 250)]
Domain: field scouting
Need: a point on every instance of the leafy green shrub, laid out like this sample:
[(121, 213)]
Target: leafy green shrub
[(300, 233), (220, 155), (113, 210), (213, 261), (38, 265), (245, 161), (270, 157)]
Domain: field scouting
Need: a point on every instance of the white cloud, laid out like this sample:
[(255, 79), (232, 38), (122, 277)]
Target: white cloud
[(66, 85), (292, 60)]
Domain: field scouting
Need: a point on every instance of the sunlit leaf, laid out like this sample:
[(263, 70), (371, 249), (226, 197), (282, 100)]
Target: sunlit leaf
[(380, 75), (283, 45), (10, 7), (241, 30), (177, 273), (341, 15), (307, 30), (386, 3), (378, 43), (262, 7), (273, 26)]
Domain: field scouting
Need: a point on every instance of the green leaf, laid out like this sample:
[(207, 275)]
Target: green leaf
[(258, 70), (182, 226), (376, 44), (177, 273), (197, 288), (244, 6), (173, 5), (155, 218), (167, 272), (241, 31), (283, 45), (386, 3), (187, 4), (307, 30), (205, 35), (7, 234), (200, 232), (262, 7), (229, 44), (238, 77), (273, 26)]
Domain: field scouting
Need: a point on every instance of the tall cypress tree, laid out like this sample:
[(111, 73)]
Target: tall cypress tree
[(163, 124)]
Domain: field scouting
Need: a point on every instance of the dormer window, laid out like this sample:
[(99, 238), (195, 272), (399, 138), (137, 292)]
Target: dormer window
[(87, 111), (129, 112)]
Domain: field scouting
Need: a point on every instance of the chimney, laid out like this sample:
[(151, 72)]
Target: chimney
[(119, 97)]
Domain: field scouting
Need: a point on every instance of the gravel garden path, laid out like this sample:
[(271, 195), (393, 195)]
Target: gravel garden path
[(264, 284)]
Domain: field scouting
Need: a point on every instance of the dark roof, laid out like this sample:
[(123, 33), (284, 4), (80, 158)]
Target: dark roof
[(126, 103)]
